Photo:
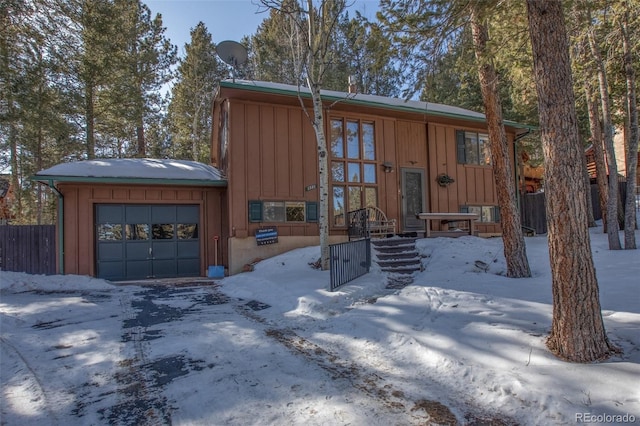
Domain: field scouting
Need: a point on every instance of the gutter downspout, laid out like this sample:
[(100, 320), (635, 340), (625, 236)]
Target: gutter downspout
[(51, 185)]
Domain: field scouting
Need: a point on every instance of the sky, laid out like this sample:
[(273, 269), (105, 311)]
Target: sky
[(275, 347), (225, 19)]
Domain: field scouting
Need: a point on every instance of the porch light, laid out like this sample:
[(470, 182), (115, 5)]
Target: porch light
[(387, 166)]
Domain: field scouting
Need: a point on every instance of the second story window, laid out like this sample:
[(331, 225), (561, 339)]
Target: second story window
[(473, 148), (354, 178)]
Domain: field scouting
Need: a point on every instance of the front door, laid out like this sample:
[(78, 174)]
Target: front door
[(413, 197)]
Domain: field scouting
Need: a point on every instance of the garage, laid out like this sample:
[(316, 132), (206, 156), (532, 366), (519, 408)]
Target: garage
[(147, 241), (138, 218)]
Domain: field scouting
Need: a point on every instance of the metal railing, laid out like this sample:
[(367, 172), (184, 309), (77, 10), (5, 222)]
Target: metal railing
[(349, 261), (358, 222)]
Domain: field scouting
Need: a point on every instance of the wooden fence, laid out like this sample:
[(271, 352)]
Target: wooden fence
[(532, 212), (534, 216), (28, 248)]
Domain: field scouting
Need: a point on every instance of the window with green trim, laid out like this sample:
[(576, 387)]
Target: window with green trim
[(473, 148), (283, 211), (486, 214)]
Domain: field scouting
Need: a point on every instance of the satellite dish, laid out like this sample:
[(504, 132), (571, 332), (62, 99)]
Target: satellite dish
[(233, 53)]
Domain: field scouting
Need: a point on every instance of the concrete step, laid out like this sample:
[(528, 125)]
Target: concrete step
[(392, 242), (400, 263), (398, 255)]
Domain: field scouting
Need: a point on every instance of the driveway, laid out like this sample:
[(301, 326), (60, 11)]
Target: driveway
[(177, 353)]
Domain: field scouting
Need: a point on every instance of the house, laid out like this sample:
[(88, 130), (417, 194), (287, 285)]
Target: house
[(383, 151), (259, 196), (619, 146)]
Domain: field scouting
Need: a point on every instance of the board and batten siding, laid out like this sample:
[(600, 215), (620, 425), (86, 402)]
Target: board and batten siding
[(272, 157), (474, 185), (79, 219)]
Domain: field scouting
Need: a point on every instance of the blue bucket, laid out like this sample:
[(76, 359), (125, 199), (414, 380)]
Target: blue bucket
[(216, 272)]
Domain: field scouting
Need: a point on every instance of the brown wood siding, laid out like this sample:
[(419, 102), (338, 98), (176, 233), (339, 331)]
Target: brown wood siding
[(474, 185), (273, 158), (79, 230), (411, 144), (239, 188), (295, 155), (390, 182)]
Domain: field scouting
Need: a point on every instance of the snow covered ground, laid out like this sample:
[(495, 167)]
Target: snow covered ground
[(274, 347)]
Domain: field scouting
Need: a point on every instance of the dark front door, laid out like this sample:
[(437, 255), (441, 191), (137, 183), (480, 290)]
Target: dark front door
[(147, 241), (413, 199)]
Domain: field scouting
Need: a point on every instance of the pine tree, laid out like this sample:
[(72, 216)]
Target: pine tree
[(577, 329), (190, 109), (430, 25), (144, 66)]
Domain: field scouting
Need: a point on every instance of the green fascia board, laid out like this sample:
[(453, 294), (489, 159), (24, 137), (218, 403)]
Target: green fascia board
[(140, 181), (353, 101)]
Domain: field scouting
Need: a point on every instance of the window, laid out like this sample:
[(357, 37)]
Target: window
[(137, 231), (187, 231), (486, 214), (283, 211), (110, 232), (162, 231), (473, 148), (353, 167)]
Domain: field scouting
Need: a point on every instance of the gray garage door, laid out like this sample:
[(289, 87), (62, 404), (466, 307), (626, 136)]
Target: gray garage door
[(147, 241)]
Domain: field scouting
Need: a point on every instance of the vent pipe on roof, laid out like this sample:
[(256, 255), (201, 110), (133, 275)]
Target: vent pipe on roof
[(353, 87)]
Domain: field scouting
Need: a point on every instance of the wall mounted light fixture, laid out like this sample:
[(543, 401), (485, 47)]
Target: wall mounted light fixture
[(387, 166)]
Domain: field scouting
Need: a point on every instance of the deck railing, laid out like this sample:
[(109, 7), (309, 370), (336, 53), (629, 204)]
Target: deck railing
[(358, 222)]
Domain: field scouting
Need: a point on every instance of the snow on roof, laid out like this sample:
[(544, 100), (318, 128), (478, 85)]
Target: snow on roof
[(429, 108), (134, 168)]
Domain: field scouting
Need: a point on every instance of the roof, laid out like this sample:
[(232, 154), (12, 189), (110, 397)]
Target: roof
[(421, 107), (134, 170)]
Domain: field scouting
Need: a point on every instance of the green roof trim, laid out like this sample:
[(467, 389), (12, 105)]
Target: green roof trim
[(374, 101), (142, 171), (126, 180)]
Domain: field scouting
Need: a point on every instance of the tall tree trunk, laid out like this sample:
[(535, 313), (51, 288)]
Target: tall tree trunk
[(142, 151), (13, 157), (90, 121), (323, 171), (612, 199), (577, 329), (598, 152), (631, 151), (515, 251)]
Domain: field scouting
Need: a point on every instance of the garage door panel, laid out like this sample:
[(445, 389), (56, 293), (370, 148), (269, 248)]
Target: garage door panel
[(110, 251), (164, 250), (111, 270), (137, 214), (108, 213), (188, 249), (163, 214), (137, 251), (164, 268), (188, 267), (188, 214), (138, 241), (138, 269)]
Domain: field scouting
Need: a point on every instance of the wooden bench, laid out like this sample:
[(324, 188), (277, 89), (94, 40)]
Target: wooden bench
[(370, 222), (470, 218)]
